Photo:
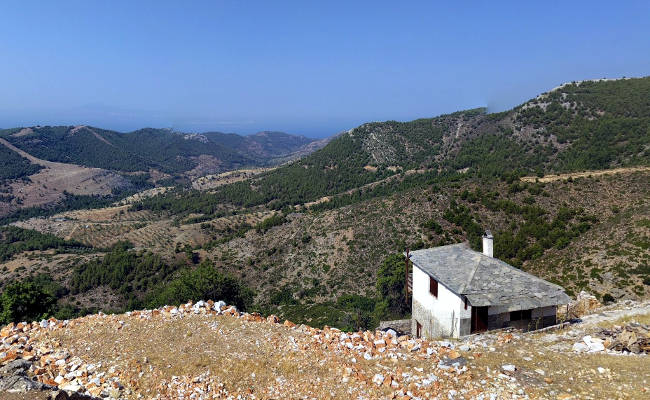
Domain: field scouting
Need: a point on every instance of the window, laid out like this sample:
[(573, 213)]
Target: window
[(466, 302), (433, 287), (520, 315)]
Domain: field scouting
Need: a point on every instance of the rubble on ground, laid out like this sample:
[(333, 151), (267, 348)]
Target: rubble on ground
[(585, 303), (371, 364), (631, 338), (56, 356)]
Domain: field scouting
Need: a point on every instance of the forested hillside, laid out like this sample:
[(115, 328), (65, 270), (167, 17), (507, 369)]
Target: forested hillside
[(141, 150), (263, 146), (159, 149), (13, 166), (579, 126)]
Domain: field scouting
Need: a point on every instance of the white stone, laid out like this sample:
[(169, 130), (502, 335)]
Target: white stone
[(508, 367), (71, 387), (601, 370), (378, 379), (596, 347), (580, 347)]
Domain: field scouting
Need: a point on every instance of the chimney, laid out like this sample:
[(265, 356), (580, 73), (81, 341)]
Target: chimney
[(488, 244)]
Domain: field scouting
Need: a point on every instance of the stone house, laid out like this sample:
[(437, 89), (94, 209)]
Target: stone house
[(458, 291)]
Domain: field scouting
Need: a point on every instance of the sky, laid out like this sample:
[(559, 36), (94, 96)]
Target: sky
[(310, 68)]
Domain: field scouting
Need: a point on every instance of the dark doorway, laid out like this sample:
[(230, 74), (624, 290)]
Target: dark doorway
[(418, 329), (479, 319)]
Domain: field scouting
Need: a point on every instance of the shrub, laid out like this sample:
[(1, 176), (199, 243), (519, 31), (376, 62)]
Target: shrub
[(29, 300), (203, 283), (390, 284), (608, 298), (270, 222)]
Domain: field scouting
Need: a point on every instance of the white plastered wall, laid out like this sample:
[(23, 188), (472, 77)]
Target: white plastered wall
[(439, 317)]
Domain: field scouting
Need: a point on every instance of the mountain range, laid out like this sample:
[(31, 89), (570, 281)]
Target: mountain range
[(562, 181), (163, 150), (578, 126)]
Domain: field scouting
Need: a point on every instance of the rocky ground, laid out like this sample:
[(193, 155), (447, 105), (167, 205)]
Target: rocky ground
[(209, 350)]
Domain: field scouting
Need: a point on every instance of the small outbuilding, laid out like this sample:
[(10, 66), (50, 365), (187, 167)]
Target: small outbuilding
[(458, 291)]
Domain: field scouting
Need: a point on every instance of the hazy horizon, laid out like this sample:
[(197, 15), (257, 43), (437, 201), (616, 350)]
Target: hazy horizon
[(304, 69)]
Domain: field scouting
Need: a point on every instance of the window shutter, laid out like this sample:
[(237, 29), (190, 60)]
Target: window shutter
[(433, 287)]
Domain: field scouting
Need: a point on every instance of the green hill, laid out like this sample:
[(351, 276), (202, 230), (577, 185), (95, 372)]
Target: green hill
[(263, 146), (145, 149), (578, 126), (13, 166)]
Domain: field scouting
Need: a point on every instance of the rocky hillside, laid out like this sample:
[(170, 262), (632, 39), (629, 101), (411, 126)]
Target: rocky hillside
[(210, 350), (585, 233), (588, 125)]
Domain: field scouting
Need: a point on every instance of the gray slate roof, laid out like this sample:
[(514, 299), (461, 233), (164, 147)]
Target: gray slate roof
[(487, 281)]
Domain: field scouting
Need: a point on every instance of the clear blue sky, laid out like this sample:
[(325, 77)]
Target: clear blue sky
[(245, 66)]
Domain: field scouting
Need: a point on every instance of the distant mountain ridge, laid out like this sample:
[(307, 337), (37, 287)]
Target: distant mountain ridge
[(148, 149), (267, 145), (587, 125)]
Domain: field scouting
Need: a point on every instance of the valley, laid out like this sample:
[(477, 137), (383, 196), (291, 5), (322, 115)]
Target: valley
[(562, 181), (324, 201)]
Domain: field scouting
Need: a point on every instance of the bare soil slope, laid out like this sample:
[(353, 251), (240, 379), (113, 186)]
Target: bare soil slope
[(49, 184)]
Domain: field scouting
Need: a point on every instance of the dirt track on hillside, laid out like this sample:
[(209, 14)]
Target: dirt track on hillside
[(574, 175)]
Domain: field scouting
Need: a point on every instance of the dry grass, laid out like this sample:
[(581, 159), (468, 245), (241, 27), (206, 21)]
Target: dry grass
[(244, 355), (575, 375), (640, 318), (252, 357), (24, 396)]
